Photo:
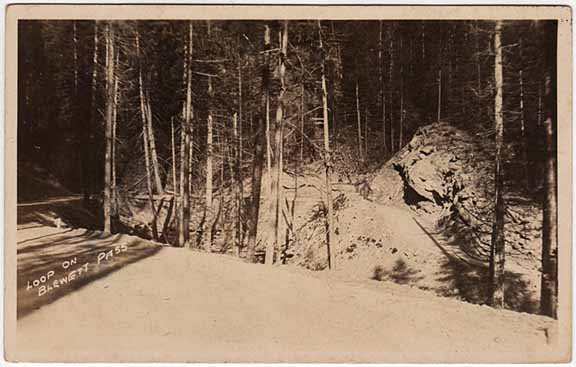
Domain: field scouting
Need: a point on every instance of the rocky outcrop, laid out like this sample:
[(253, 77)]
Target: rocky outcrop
[(448, 176), (445, 165)]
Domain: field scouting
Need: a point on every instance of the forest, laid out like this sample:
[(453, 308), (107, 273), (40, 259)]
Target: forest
[(256, 139)]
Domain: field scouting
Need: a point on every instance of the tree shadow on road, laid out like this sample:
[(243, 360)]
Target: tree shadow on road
[(74, 215), (73, 260), (467, 275), (400, 273)]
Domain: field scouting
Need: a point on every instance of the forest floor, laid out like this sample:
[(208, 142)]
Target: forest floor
[(175, 304)]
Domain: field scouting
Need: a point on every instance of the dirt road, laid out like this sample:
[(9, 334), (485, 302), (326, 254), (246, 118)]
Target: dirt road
[(179, 305)]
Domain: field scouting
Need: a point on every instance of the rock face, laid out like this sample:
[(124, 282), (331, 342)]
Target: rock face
[(445, 165), (448, 175)]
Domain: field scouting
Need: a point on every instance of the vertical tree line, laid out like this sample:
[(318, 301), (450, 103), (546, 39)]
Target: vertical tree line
[(210, 115)]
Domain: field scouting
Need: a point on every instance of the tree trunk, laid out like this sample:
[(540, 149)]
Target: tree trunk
[(478, 70), (539, 122), (114, 192), (260, 150), (302, 111), (173, 148), (523, 146), (359, 125), (145, 141), (184, 215), (209, 168), (190, 153), (449, 102), (174, 200), (81, 126), (422, 42), (549, 286), (235, 175), (75, 59), (257, 170), (166, 226), (330, 233), (147, 119), (241, 185), (382, 91), (152, 141), (366, 132), (240, 180), (94, 90), (497, 253), (401, 134), (439, 112), (268, 146), (108, 132), (276, 173), (338, 53), (390, 89), (298, 161)]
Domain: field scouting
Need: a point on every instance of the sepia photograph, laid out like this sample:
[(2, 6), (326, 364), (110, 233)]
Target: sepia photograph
[(288, 184)]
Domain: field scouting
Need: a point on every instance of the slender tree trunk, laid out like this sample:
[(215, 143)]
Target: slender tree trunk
[(94, 90), (338, 53), (449, 81), (268, 146), (240, 181), (439, 112), (523, 132), (257, 169), (173, 148), (401, 134), (549, 286), (302, 111), (75, 58), (330, 232), (209, 167), (190, 154), (184, 217), (332, 95), (166, 226), (81, 126), (152, 141), (497, 253), (359, 125), (390, 88), (382, 90), (523, 145), (422, 42), (109, 117), (114, 124), (298, 161), (276, 194), (267, 47), (365, 132), (478, 64), (174, 200), (147, 119), (539, 122), (235, 176), (146, 143), (478, 70)]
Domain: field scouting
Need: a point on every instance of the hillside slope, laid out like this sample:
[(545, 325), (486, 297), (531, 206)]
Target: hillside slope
[(428, 223)]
